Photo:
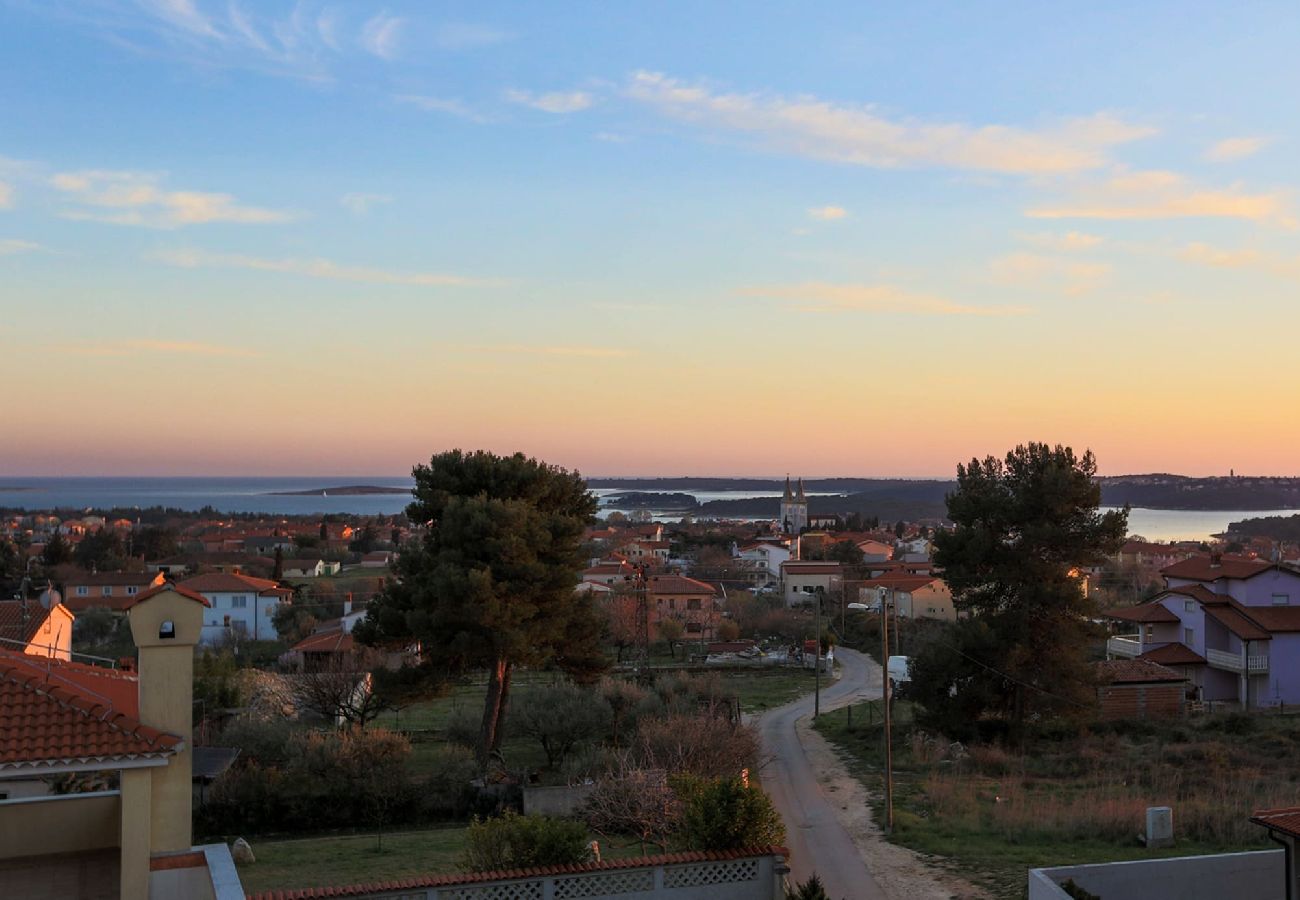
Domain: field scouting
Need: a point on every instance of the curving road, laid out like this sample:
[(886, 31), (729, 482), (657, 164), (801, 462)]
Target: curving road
[(817, 841)]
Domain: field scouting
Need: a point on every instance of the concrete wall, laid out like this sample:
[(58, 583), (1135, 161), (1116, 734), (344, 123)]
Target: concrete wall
[(66, 824), (1260, 875), (556, 801)]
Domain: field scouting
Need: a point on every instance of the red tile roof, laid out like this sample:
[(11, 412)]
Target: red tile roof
[(13, 628), (1284, 821), (677, 584), (1234, 617), (1134, 671), (332, 641), (46, 720), (428, 881), (161, 588), (229, 582), (1204, 568), (1152, 612), (1196, 592), (1274, 619), (1174, 655), (112, 579), (811, 567)]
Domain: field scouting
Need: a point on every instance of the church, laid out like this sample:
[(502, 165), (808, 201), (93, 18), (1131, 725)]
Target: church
[(794, 509)]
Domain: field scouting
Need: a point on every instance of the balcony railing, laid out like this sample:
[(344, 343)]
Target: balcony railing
[(1125, 645), (1221, 659)]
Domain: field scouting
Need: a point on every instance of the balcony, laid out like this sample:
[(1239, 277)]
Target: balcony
[(1125, 646), (1232, 662)]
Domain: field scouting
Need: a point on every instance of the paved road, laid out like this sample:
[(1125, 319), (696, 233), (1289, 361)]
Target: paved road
[(817, 841)]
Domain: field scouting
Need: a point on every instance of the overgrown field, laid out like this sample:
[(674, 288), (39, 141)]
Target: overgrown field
[(1071, 796)]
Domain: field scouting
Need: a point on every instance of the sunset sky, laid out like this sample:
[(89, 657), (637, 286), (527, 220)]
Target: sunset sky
[(258, 237)]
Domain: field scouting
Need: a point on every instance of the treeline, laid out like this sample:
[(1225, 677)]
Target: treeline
[(1278, 528)]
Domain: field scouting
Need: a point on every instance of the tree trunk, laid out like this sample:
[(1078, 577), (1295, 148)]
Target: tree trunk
[(499, 733), (493, 703)]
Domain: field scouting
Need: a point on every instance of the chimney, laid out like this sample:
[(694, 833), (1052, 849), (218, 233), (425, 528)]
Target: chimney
[(166, 626), (347, 604)]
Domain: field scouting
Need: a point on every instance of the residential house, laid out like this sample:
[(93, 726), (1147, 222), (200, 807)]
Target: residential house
[(801, 579), (303, 569), (239, 606), (1231, 625), (643, 551), (874, 551), (58, 718), (109, 590), (28, 627), (266, 545), (761, 561), (613, 574), (912, 596), (914, 550), (378, 559), (691, 602)]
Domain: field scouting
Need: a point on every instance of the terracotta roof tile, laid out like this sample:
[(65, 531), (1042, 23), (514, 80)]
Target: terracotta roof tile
[(1174, 655), (1284, 821), (226, 582), (45, 719), (12, 626), (332, 641), (1155, 611), (1134, 671), (1204, 568)]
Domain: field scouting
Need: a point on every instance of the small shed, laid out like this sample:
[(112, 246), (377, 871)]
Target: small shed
[(1139, 689)]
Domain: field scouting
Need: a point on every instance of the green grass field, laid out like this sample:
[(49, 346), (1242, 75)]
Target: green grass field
[(993, 813), (338, 860)]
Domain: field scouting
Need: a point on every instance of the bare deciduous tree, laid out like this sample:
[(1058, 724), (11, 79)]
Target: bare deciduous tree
[(634, 801)]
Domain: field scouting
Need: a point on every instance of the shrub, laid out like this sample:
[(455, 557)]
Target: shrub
[(560, 717), (812, 889), (636, 802), (727, 814), (463, 726), (513, 841), (702, 744)]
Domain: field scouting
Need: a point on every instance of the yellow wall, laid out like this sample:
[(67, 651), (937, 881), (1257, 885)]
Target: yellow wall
[(67, 824)]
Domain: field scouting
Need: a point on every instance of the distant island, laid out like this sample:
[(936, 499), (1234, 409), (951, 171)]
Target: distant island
[(347, 490), (920, 499)]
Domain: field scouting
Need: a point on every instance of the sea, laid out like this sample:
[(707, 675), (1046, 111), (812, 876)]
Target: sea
[(266, 495)]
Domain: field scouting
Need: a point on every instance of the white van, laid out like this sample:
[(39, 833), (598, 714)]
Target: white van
[(900, 673)]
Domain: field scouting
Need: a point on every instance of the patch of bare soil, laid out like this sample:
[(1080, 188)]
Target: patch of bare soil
[(902, 874)]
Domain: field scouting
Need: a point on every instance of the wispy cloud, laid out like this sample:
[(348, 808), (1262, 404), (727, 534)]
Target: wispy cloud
[(531, 349), (182, 14), (14, 246), (1230, 149), (467, 36), (556, 102), (826, 297), (1071, 240), (443, 105), (828, 213), (361, 203), (816, 128), (136, 198), (1166, 195), (6, 196), (1247, 259), (314, 268), (381, 34), (1034, 270), (141, 347)]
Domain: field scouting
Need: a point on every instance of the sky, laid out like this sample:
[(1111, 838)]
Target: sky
[(253, 238)]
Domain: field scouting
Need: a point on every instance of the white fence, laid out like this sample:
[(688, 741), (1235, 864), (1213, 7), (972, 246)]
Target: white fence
[(686, 876)]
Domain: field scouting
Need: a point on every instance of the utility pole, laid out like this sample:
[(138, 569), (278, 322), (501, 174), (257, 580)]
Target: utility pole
[(642, 624), (817, 664), (884, 693)]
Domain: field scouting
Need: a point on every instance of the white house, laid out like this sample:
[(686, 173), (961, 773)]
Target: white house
[(801, 579), (762, 560), (240, 606)]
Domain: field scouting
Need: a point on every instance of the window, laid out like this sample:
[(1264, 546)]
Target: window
[(672, 604), (1281, 599), (1189, 636), (106, 591), (239, 601), (1189, 606), (131, 590), (82, 590), (692, 604)]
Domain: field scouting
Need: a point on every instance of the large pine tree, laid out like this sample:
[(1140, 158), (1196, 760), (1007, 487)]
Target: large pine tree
[(491, 583), (1026, 528)]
